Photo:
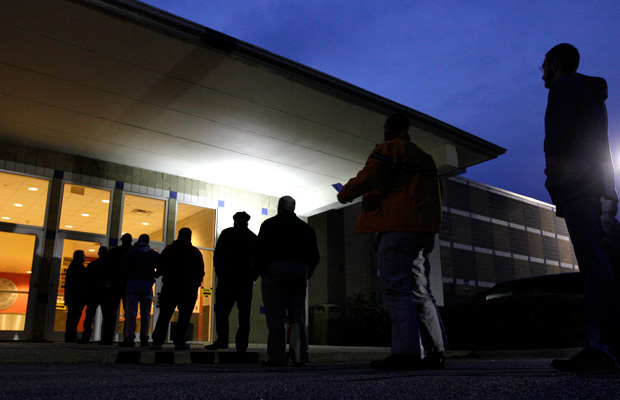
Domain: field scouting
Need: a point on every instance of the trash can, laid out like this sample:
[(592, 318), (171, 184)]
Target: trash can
[(325, 324)]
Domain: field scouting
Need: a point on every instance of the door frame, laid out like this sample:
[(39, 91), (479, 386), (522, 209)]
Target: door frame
[(61, 236), (39, 234)]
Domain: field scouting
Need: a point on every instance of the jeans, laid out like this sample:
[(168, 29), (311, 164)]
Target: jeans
[(432, 332), (404, 267), (284, 286), (145, 300), (596, 251)]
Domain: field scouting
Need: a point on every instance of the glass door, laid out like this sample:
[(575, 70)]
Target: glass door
[(67, 244), (17, 252)]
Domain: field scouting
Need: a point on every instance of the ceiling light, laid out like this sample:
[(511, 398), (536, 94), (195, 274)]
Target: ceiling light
[(33, 189), (69, 226), (85, 215), (145, 223), (18, 205), (29, 272), (6, 218), (91, 250), (105, 201)]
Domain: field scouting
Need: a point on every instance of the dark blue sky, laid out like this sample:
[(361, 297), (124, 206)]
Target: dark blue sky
[(471, 64)]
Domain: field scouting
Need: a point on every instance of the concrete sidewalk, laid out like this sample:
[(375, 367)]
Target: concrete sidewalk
[(27, 352)]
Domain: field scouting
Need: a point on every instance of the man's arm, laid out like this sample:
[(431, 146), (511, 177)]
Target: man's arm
[(375, 173)]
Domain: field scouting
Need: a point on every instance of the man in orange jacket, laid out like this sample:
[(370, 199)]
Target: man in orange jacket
[(402, 203)]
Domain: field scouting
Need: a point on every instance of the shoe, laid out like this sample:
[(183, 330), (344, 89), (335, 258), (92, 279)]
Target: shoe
[(398, 362), (184, 346), (434, 360), (126, 343), (144, 344), (269, 363), (155, 346), (587, 360), (216, 346)]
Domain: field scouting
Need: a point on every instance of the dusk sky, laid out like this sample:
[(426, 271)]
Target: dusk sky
[(472, 64)]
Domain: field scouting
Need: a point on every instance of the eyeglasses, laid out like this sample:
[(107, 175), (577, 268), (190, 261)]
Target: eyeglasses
[(543, 66)]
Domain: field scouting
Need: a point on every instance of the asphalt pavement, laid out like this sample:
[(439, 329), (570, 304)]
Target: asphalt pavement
[(463, 379)]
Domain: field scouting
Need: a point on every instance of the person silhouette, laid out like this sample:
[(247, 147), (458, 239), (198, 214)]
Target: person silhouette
[(232, 260)]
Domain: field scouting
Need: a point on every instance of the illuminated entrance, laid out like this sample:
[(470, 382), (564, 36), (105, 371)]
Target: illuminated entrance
[(23, 202)]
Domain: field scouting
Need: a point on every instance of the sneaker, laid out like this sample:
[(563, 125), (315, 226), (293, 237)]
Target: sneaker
[(216, 346), (126, 343), (398, 362), (587, 360), (434, 360), (184, 346)]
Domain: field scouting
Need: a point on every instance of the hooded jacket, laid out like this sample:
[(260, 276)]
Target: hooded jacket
[(577, 154), (139, 263), (401, 189)]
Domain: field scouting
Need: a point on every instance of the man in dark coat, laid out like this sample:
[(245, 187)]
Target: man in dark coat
[(182, 268), (232, 260), (75, 294), (98, 283), (116, 290), (287, 255), (581, 182)]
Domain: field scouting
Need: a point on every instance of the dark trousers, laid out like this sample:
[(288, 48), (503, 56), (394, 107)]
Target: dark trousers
[(171, 297), (284, 285), (595, 244), (74, 313), (227, 294), (96, 298), (109, 311)]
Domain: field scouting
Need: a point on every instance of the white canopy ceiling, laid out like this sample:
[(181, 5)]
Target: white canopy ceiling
[(127, 83)]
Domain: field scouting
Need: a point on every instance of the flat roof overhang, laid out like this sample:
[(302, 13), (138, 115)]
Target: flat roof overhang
[(124, 82)]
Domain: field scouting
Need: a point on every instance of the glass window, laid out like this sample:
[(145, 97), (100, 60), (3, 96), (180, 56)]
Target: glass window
[(16, 253), (144, 215), (201, 221), (85, 209), (23, 199)]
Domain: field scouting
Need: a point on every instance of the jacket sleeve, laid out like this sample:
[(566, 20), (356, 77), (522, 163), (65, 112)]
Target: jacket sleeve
[(378, 169), (313, 252)]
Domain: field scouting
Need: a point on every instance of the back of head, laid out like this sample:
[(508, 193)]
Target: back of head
[(126, 239), (144, 238), (185, 234), (78, 253), (102, 250), (566, 55), (286, 203), (241, 217), (397, 123)]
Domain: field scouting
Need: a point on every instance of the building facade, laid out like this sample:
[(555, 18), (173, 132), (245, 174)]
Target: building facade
[(489, 235), (119, 117)]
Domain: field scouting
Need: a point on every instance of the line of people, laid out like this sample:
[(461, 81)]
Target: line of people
[(402, 193), (126, 274)]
